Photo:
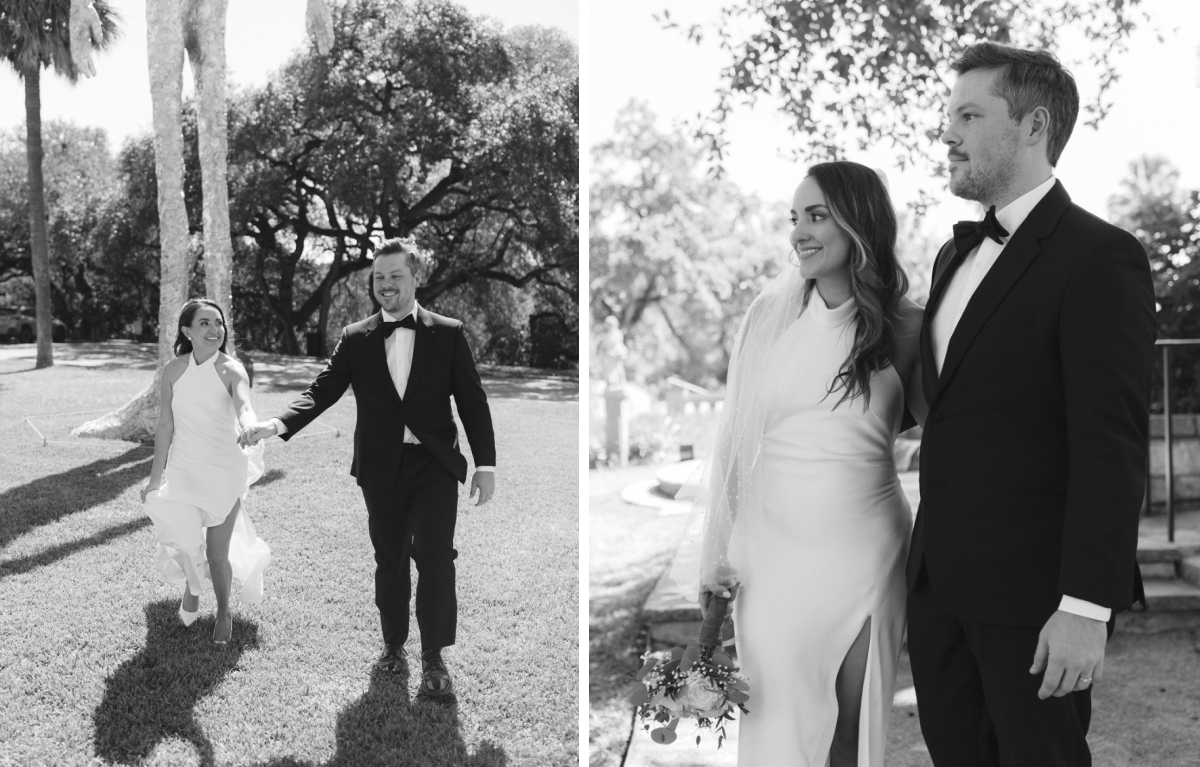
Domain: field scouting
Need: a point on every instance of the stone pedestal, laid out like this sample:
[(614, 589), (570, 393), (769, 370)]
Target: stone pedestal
[(616, 424)]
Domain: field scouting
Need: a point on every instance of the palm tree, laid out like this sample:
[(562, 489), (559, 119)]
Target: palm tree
[(35, 34)]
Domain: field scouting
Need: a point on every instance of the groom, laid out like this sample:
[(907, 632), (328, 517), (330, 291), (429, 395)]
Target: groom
[(405, 363), (1037, 358)]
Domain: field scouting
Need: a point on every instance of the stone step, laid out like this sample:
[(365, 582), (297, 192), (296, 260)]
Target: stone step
[(1189, 570), (1171, 595), (1156, 549)]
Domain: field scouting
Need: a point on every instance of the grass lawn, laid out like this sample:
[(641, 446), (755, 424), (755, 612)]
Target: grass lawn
[(96, 669), (1145, 712)]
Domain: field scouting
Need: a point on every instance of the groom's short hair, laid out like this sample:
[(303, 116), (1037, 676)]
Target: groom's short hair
[(1029, 79), (420, 262)]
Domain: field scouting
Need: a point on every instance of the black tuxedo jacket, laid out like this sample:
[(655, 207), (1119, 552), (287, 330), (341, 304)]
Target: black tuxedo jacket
[(442, 366), (1033, 459)]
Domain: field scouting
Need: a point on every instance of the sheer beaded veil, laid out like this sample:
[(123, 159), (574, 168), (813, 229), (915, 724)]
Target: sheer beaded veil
[(730, 483)]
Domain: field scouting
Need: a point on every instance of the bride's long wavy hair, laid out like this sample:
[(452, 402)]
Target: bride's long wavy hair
[(861, 207)]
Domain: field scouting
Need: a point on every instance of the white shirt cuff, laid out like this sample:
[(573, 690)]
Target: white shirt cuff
[(492, 469), (279, 427), (1085, 609)]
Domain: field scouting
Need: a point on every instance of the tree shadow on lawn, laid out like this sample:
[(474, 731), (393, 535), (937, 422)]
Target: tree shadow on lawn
[(546, 389), (152, 696), (63, 550), (49, 499), (385, 728)]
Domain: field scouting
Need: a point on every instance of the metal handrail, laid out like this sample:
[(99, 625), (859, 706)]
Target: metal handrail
[(1168, 470)]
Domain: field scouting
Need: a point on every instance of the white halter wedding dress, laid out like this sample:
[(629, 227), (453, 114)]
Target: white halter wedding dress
[(825, 551), (207, 472)]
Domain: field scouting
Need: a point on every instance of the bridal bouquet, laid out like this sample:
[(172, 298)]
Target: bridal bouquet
[(699, 682)]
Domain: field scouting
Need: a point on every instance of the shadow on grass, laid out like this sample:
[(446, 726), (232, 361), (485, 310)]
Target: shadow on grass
[(615, 639), (546, 389), (49, 499), (98, 356), (152, 696), (63, 550), (270, 476), (384, 727)]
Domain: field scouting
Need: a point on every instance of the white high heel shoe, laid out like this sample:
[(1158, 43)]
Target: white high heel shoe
[(187, 618)]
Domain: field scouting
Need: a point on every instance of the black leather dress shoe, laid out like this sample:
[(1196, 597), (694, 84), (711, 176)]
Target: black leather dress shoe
[(435, 679), (394, 660)]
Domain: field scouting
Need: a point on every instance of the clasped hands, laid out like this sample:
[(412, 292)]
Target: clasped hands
[(255, 433), (1070, 651)]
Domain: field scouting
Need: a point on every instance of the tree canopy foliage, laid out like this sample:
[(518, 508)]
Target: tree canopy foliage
[(425, 123), (871, 73), (675, 255), (422, 121), (1165, 218)]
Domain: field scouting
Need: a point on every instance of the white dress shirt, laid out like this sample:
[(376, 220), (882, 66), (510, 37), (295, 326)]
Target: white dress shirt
[(399, 348), (962, 286)]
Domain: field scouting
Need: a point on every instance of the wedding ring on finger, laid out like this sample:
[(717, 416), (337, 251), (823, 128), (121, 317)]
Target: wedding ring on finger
[(1085, 680)]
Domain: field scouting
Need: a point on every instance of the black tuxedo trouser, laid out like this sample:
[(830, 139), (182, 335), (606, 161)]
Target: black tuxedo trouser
[(415, 519), (978, 702)]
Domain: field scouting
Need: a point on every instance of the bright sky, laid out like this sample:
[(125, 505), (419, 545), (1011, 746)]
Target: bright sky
[(1157, 103), (118, 98)]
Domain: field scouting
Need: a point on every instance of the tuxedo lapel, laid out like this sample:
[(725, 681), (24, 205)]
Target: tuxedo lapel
[(1018, 254), (421, 343), (941, 269), (377, 351)]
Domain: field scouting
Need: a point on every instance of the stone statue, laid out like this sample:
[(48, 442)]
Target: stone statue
[(611, 353)]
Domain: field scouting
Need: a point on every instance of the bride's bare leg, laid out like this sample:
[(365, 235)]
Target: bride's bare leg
[(849, 687), (221, 571)]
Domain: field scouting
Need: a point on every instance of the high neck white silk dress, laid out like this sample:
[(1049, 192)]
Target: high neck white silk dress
[(826, 553), (207, 472)]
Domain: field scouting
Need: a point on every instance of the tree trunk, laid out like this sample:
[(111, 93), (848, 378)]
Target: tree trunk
[(205, 42), (335, 271), (138, 418), (37, 215)]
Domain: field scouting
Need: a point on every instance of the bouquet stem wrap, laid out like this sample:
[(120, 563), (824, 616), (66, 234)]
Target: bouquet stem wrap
[(714, 618)]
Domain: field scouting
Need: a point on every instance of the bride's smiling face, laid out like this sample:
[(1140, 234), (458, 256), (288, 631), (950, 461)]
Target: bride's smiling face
[(822, 247), (206, 331)]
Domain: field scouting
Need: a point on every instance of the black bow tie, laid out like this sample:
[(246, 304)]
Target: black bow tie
[(407, 322), (968, 234)]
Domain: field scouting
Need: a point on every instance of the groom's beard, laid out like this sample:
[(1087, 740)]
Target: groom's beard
[(980, 182)]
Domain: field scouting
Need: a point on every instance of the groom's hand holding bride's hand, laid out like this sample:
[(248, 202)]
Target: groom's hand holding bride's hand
[(1071, 651), (253, 434)]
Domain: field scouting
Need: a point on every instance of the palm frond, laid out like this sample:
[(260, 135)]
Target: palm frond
[(36, 33)]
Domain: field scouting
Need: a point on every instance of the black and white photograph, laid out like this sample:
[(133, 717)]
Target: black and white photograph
[(289, 373), (892, 389)]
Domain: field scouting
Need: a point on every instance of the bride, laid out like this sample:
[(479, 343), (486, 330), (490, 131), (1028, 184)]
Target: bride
[(200, 472), (806, 524)]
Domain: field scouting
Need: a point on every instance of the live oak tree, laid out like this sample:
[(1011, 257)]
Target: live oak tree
[(422, 121), (35, 35)]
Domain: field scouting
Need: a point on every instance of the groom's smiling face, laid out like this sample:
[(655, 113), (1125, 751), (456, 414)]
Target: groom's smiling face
[(393, 282), (983, 139)]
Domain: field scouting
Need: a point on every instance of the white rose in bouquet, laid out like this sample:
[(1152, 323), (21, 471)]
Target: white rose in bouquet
[(703, 696)]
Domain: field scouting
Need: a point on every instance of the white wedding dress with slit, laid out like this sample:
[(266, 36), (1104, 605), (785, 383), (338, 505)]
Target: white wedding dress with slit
[(825, 555), (207, 472)]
